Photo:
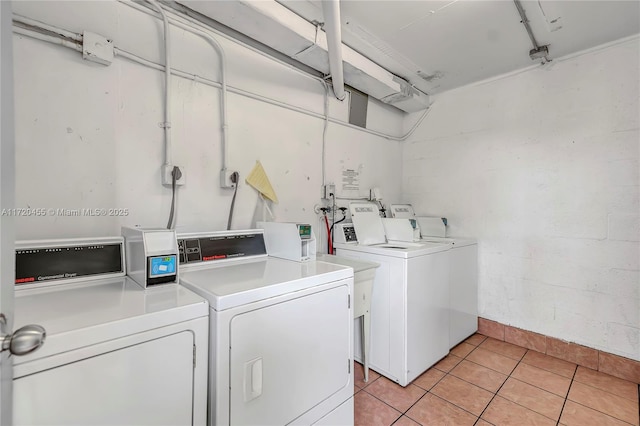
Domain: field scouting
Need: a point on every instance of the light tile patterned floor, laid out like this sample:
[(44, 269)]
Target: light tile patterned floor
[(484, 381)]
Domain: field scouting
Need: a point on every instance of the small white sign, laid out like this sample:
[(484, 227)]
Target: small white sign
[(350, 180)]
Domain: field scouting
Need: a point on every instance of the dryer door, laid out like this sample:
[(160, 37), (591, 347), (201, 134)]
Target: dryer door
[(150, 383), (289, 357)]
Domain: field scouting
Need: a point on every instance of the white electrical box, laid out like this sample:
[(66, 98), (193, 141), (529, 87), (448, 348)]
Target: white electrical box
[(152, 255), (288, 240), (97, 48)]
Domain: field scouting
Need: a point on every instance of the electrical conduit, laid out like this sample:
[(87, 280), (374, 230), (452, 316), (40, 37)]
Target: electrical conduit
[(135, 58), (48, 38), (41, 25), (167, 85), (223, 80)]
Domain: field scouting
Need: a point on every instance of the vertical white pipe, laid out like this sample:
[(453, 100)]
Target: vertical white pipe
[(331, 11), (167, 85), (223, 81)]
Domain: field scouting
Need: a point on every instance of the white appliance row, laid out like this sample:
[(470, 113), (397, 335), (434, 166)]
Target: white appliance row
[(246, 339), (424, 298)]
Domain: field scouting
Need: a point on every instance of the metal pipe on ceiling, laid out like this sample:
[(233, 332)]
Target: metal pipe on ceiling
[(331, 11), (538, 52)]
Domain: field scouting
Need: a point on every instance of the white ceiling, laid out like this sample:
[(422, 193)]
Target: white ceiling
[(438, 45)]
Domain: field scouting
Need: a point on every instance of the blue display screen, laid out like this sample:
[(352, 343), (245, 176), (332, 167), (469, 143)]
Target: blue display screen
[(162, 265)]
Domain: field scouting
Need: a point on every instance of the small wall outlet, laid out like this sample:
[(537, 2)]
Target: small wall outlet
[(328, 190), (225, 179), (167, 178)]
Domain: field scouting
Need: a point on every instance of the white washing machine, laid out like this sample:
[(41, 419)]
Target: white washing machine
[(410, 301), (463, 287), (463, 275), (114, 354), (281, 346)]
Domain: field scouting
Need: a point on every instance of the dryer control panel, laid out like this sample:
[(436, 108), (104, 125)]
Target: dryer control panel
[(194, 248), (47, 262)]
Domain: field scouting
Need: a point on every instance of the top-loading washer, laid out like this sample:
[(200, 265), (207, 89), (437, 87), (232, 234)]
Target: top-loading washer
[(114, 354), (410, 300), (281, 331), (463, 275)]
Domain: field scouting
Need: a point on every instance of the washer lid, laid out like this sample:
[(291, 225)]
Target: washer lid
[(399, 249), (457, 242), (86, 313), (404, 211), (367, 223), (239, 283)]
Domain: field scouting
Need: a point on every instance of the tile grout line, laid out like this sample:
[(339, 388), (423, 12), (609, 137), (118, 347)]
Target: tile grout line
[(375, 397), (604, 390), (419, 399), (473, 384), (525, 363), (402, 413), (603, 413), (446, 373), (455, 405), (521, 360), (567, 396), (498, 390), (601, 390)]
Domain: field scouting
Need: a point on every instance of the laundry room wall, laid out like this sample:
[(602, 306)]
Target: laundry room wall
[(88, 135), (542, 167)]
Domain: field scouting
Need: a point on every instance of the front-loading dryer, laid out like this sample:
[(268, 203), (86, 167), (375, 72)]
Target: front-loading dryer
[(114, 354), (281, 345)]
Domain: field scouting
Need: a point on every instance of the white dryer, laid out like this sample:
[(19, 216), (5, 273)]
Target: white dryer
[(114, 354), (281, 332), (463, 276), (410, 301)]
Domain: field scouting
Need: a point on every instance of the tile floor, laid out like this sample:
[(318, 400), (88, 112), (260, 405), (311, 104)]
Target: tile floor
[(484, 381)]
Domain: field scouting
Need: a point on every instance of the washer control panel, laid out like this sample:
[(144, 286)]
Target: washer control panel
[(345, 233)]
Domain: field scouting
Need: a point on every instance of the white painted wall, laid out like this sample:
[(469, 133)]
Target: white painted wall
[(542, 167), (88, 135)]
